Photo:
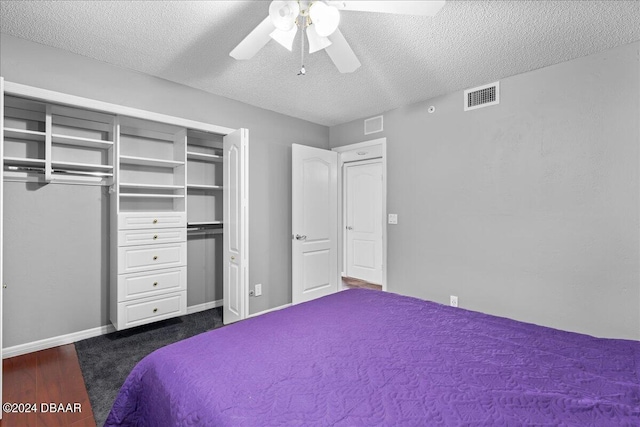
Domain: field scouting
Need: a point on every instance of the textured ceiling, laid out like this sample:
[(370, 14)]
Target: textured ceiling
[(404, 59)]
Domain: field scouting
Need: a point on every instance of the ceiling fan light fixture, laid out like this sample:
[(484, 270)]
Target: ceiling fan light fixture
[(316, 42), (283, 14), (285, 38), (325, 18)]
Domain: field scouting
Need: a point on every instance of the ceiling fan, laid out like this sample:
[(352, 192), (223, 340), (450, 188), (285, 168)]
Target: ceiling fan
[(320, 20)]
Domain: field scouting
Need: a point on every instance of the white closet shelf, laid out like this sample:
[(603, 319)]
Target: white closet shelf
[(203, 223), (152, 196), (204, 187), (20, 161), (147, 161), (80, 141), (30, 135), (81, 166), (151, 186), (204, 157)]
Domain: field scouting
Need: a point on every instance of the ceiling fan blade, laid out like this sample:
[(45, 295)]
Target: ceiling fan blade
[(341, 53), (255, 41), (422, 8)]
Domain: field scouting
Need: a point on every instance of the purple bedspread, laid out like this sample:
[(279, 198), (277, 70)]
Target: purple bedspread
[(363, 357)]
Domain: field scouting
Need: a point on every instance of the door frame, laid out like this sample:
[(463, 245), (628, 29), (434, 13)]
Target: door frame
[(1, 220), (354, 153), (345, 183)]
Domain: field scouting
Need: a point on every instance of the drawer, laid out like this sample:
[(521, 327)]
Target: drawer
[(147, 284), (147, 310), (137, 220), (132, 259), (151, 236)]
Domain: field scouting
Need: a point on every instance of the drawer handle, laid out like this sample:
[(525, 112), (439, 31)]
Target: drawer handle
[(155, 236), (155, 310), (155, 283), (155, 257), (155, 221)]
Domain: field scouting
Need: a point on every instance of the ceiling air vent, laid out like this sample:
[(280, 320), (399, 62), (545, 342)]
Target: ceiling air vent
[(373, 125), (482, 96)]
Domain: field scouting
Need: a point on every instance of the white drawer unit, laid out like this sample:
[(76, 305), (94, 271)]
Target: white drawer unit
[(150, 271), (151, 236), (132, 259), (146, 220), (147, 310), (151, 283)]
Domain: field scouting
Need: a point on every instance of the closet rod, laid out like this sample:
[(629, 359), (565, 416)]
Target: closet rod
[(23, 169), (61, 171), (204, 230), (85, 173)]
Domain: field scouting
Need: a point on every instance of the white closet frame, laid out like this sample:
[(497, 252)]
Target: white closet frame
[(45, 95), (1, 220)]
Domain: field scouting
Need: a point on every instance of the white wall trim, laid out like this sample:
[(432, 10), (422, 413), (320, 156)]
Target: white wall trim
[(269, 310), (205, 306), (352, 147), (30, 347)]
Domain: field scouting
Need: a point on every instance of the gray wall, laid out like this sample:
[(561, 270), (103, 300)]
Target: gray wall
[(528, 209), (80, 299), (56, 262)]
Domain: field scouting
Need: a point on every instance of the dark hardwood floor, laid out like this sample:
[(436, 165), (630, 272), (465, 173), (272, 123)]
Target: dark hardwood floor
[(46, 377)]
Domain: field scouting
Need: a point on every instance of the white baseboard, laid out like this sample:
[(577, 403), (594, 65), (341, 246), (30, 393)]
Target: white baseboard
[(202, 307), (269, 310), (30, 347)]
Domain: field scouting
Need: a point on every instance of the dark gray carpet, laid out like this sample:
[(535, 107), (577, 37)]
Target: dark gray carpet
[(107, 360)]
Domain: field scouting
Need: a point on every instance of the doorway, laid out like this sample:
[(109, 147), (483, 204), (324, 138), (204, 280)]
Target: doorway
[(362, 187), (362, 220)]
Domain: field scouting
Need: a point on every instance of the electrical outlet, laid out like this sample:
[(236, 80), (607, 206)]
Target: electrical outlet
[(258, 289), (453, 301)]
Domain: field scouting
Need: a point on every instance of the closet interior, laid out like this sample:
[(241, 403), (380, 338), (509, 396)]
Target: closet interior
[(162, 180)]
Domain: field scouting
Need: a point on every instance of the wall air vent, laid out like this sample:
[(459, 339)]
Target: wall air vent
[(373, 125), (482, 96)]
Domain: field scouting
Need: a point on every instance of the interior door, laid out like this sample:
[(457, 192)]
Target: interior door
[(314, 199), (235, 226), (364, 220)]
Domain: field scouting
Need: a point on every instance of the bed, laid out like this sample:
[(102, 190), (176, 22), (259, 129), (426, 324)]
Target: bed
[(364, 357)]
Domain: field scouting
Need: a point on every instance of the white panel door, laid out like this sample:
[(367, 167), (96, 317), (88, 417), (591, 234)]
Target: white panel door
[(314, 221), (364, 221), (235, 226)]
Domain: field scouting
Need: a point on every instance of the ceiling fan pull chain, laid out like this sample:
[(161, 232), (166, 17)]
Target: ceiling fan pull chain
[(302, 71)]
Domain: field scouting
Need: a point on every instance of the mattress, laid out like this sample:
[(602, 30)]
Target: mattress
[(363, 357)]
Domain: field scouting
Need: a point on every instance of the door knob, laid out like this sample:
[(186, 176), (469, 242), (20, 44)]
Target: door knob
[(299, 237), (349, 228)]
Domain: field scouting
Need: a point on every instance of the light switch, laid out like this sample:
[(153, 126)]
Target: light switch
[(393, 218)]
